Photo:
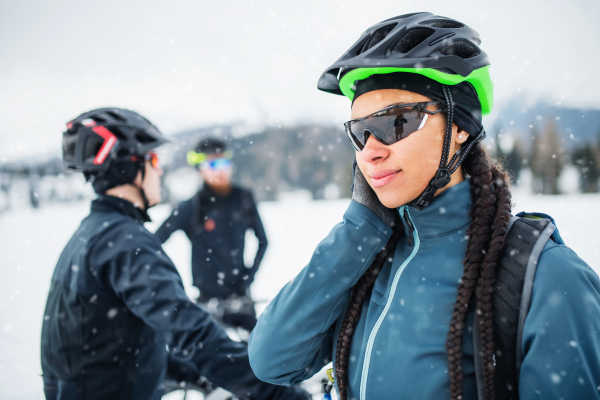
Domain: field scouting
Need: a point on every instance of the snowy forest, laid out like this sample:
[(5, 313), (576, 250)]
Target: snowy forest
[(546, 142)]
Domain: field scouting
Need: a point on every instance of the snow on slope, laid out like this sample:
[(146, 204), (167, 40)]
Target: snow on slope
[(31, 242)]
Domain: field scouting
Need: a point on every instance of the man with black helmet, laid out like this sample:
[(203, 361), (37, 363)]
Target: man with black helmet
[(215, 220), (117, 311)]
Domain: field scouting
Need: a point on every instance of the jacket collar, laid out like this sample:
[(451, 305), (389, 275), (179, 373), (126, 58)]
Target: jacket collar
[(106, 203), (447, 213)]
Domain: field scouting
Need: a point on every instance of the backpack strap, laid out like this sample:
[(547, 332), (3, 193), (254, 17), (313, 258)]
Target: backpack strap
[(528, 287), (478, 360), (477, 355), (527, 235)]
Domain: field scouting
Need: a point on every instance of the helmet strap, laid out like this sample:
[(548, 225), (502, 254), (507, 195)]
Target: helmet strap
[(142, 168), (144, 198), (445, 170)]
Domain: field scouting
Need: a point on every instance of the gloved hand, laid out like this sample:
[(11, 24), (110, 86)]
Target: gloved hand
[(364, 194)]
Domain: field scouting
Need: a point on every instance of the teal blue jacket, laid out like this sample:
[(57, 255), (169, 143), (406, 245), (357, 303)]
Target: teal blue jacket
[(398, 349)]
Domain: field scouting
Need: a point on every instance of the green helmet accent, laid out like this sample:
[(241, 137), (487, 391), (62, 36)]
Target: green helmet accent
[(479, 78), (194, 158)]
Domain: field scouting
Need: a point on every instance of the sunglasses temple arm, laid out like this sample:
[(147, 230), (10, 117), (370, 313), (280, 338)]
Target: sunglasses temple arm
[(423, 122)]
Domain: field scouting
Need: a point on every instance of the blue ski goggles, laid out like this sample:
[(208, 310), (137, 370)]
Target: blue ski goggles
[(216, 164), (195, 159)]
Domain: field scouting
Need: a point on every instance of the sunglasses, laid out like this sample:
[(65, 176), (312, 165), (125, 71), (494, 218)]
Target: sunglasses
[(216, 164), (149, 156), (391, 124), (195, 159)]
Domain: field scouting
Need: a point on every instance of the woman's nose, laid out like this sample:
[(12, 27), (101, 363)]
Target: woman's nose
[(374, 150)]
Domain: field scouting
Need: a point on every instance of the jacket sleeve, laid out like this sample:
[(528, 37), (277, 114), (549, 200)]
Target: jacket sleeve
[(293, 338), (259, 232), (130, 261), (561, 336), (179, 219)]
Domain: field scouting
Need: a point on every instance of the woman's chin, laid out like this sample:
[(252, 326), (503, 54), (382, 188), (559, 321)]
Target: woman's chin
[(391, 199)]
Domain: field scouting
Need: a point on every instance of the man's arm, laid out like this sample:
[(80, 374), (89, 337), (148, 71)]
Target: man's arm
[(141, 274), (179, 219), (259, 232)]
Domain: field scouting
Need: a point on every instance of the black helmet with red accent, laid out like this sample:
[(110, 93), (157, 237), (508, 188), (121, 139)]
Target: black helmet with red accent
[(108, 145)]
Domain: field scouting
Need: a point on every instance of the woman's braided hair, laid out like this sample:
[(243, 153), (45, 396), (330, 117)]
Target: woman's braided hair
[(490, 214)]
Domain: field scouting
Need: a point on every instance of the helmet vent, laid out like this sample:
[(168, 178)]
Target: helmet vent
[(98, 119), (116, 116), (377, 37), (446, 24), (143, 138), (461, 48), (412, 39), (91, 147), (401, 17)]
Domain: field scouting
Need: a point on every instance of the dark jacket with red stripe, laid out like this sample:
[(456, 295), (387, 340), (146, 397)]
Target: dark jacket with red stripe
[(116, 301)]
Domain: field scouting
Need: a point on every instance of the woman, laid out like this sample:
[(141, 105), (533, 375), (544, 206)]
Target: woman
[(399, 295)]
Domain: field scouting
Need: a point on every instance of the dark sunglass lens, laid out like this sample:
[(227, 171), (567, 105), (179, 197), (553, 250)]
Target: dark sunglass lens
[(382, 127), (353, 140), (408, 123), (388, 126)]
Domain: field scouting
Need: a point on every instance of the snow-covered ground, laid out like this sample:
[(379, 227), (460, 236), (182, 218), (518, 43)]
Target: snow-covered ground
[(31, 242)]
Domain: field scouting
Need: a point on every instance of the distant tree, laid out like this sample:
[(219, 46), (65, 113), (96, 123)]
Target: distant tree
[(509, 151), (587, 160), (547, 159), (34, 199), (309, 157)]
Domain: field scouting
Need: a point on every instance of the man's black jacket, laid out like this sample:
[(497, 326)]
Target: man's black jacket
[(216, 226), (116, 301)]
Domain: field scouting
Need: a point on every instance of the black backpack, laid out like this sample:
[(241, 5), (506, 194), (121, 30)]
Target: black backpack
[(526, 238)]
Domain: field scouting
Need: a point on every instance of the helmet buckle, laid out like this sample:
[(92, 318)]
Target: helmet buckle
[(442, 178)]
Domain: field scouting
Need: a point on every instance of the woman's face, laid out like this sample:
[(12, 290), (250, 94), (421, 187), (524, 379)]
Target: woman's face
[(398, 173)]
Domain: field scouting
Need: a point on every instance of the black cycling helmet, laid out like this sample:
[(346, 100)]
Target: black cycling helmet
[(445, 52), (211, 146), (439, 48), (100, 137), (108, 145)]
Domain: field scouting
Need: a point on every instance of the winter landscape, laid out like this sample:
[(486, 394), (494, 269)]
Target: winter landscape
[(246, 71), (33, 239)]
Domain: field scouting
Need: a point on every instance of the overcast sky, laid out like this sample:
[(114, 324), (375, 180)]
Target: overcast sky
[(188, 63)]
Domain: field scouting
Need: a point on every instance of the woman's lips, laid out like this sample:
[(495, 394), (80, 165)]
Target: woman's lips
[(383, 177)]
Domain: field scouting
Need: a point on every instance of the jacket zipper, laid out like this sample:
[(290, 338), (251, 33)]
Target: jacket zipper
[(413, 239), (411, 228)]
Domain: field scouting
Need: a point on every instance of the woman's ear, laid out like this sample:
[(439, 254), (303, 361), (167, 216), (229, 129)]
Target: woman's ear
[(459, 135)]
